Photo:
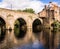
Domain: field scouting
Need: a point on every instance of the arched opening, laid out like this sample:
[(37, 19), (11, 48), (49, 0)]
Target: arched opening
[(2, 29), (20, 28), (37, 26)]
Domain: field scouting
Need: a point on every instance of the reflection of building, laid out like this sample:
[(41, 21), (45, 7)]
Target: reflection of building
[(50, 13)]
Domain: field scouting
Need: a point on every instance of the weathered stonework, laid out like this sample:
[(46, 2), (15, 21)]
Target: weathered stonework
[(50, 13), (10, 16)]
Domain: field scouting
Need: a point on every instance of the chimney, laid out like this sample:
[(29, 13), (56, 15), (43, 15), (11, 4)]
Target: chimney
[(45, 6)]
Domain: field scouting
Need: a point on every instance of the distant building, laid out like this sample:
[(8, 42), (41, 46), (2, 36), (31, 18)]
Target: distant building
[(50, 13)]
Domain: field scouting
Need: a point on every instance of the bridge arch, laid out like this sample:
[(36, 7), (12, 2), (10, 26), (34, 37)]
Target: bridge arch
[(2, 29), (20, 28), (28, 23), (36, 28), (5, 19), (36, 25)]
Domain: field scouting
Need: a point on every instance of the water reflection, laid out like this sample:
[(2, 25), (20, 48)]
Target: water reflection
[(50, 40), (35, 45), (46, 36)]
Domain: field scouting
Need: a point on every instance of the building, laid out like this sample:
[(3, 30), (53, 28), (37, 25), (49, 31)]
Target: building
[(50, 13)]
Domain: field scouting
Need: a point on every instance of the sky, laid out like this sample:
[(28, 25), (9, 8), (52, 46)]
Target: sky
[(36, 5)]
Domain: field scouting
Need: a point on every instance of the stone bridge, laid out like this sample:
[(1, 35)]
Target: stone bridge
[(23, 23), (7, 21)]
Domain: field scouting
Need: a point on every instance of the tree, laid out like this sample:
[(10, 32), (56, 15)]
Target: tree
[(55, 24), (30, 10)]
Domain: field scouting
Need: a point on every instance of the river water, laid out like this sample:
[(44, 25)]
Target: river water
[(51, 41)]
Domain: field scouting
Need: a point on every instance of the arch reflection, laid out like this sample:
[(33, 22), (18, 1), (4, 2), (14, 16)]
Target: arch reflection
[(20, 28)]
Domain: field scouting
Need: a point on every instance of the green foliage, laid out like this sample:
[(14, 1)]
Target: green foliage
[(59, 24), (55, 24), (29, 10), (17, 22), (16, 28)]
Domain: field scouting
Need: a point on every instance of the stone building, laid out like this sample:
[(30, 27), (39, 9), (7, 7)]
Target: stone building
[(50, 13)]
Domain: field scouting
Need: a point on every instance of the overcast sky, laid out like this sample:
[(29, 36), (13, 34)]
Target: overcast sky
[(37, 5)]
